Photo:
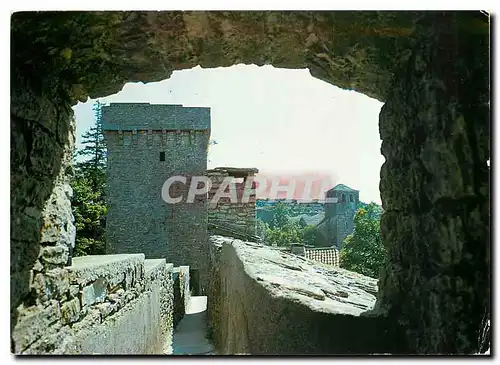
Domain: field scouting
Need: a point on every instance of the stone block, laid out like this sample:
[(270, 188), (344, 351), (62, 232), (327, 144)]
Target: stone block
[(54, 255), (94, 293), (51, 284), (70, 311), (74, 290), (113, 268), (44, 152)]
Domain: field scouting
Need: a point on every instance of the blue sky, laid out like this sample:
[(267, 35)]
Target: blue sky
[(273, 119)]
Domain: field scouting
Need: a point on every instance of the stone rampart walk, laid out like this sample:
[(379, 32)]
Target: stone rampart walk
[(190, 336)]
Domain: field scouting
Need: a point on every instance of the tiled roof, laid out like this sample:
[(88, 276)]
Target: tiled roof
[(329, 256), (342, 187)]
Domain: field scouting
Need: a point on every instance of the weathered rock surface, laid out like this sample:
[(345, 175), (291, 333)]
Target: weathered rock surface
[(357, 50), (264, 301), (435, 191), (322, 288)]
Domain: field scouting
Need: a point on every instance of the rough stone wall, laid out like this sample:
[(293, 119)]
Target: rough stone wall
[(42, 230), (239, 216), (263, 301), (138, 218), (101, 304), (160, 284), (435, 188)]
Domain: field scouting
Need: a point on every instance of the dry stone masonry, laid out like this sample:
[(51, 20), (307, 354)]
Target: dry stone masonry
[(239, 215), (99, 305)]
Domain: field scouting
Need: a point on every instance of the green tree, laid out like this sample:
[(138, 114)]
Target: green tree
[(89, 184), (282, 231), (363, 251), (375, 211), (89, 210), (261, 228), (281, 215), (91, 159), (285, 235), (310, 234)]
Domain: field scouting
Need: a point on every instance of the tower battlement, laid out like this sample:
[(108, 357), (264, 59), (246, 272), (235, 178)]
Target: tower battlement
[(156, 117)]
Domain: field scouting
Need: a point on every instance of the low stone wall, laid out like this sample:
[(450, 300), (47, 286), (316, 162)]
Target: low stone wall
[(264, 301), (110, 304)]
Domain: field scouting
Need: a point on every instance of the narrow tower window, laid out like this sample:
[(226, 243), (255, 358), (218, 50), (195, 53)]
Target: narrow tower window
[(162, 156)]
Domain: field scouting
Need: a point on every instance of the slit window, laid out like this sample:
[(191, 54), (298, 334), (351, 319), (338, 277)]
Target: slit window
[(162, 156)]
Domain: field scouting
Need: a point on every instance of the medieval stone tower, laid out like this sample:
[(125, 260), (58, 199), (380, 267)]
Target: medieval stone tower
[(340, 214), (147, 144)]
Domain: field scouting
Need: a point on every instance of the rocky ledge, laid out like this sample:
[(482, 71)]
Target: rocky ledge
[(264, 301), (321, 287)]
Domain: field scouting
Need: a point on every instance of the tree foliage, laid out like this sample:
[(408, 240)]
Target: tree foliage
[(311, 236), (89, 210), (281, 215), (285, 235), (374, 210), (91, 159), (89, 184), (282, 231), (261, 228), (363, 250)]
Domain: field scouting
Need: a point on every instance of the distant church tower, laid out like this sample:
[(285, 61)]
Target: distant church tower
[(340, 213)]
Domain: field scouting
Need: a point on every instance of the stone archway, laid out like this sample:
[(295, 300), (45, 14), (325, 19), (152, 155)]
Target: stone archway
[(431, 69)]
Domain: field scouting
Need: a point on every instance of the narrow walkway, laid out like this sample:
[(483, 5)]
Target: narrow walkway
[(190, 336)]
